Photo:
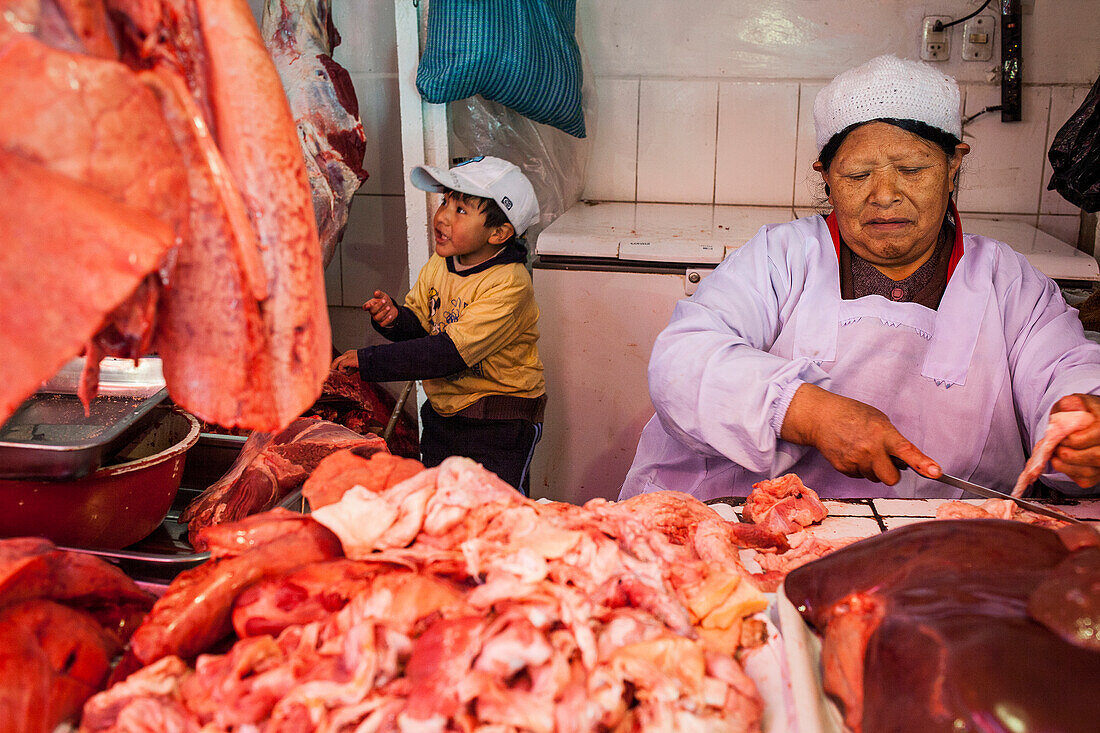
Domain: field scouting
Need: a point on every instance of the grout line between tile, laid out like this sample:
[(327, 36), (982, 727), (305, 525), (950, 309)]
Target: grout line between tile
[(797, 133), (717, 124), (637, 137), (878, 517), (1043, 158)]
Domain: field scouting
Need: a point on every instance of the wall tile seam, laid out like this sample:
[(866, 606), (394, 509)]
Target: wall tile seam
[(717, 130), (637, 135), (1043, 157), (797, 133), (806, 80)]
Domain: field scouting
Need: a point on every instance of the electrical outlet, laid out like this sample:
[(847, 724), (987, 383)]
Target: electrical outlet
[(978, 38), (934, 44)]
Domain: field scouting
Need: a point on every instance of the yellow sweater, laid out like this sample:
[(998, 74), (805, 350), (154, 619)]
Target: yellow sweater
[(492, 318)]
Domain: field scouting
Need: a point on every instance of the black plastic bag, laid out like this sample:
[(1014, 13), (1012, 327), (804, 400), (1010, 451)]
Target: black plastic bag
[(1075, 155)]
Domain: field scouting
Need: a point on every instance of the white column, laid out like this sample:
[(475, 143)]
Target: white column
[(423, 135)]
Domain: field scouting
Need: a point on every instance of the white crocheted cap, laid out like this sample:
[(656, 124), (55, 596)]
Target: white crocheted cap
[(890, 87)]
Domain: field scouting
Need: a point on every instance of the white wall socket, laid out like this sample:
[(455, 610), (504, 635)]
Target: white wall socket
[(978, 38), (934, 45)]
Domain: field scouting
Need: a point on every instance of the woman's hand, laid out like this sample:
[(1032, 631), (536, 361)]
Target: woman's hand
[(348, 361), (854, 437), (1078, 455), (382, 309)]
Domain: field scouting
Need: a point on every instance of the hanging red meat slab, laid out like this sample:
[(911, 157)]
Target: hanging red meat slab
[(158, 141)]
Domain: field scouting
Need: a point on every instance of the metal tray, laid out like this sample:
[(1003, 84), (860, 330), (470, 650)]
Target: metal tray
[(50, 438)]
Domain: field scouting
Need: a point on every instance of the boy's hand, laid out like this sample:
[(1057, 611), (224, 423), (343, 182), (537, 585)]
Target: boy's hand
[(382, 309), (348, 361)]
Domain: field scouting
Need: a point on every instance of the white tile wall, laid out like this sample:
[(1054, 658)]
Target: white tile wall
[(710, 101), (1005, 166), (378, 108), (334, 286), (973, 222), (807, 181), (368, 40), (755, 158), (351, 329), (677, 124), (1064, 227), (374, 250), (817, 39), (613, 162)]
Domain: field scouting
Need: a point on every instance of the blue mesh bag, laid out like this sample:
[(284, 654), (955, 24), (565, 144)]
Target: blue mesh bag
[(520, 53)]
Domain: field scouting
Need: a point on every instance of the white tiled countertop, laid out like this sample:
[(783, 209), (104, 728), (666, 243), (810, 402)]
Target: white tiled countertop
[(866, 517)]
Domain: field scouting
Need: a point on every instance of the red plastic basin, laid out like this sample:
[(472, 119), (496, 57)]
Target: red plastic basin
[(113, 507)]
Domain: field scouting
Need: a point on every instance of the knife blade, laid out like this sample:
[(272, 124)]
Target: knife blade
[(973, 488), (1031, 506)]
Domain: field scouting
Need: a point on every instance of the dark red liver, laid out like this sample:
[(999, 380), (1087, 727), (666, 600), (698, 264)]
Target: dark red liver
[(955, 648)]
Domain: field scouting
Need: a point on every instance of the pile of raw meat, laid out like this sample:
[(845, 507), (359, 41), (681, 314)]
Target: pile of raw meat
[(959, 625), (64, 618), (153, 197), (442, 599)]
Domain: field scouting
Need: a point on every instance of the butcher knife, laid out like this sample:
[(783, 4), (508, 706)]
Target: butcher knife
[(1031, 506), (972, 488)]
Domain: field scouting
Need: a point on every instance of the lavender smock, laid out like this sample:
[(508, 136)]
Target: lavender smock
[(971, 384)]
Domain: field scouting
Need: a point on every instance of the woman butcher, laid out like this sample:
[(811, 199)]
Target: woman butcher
[(827, 346)]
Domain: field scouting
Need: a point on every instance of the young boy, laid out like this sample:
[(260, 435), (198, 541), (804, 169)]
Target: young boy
[(469, 325)]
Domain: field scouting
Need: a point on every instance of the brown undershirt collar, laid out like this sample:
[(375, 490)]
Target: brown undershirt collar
[(926, 285)]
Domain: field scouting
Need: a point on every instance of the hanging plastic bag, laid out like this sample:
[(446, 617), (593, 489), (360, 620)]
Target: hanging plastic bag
[(554, 162), (547, 149), (1075, 155)]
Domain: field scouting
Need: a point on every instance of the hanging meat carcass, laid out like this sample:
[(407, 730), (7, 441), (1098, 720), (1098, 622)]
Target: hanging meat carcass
[(300, 36), (155, 198)]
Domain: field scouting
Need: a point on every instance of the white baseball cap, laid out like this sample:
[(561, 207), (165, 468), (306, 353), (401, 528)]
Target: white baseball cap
[(490, 178), (887, 87)]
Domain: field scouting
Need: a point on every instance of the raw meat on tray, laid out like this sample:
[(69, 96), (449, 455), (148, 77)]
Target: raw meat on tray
[(268, 468)]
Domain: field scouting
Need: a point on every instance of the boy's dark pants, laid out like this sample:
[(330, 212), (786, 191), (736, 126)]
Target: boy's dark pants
[(504, 447)]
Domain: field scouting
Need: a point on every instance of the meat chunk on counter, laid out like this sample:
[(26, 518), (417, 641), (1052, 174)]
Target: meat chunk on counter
[(783, 505), (63, 619)]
